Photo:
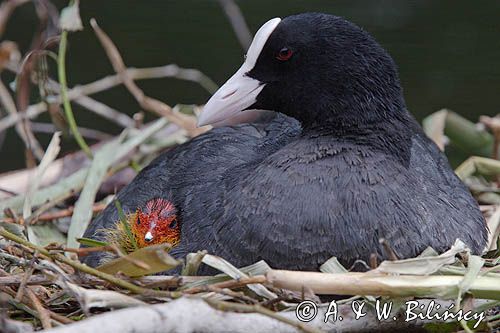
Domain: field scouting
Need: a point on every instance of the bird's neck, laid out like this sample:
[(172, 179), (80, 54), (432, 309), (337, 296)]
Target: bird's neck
[(390, 120), (385, 127)]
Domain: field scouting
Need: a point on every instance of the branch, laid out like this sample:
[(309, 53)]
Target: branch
[(81, 92), (44, 314), (88, 133), (24, 133), (6, 9), (147, 103), (229, 284), (98, 207), (444, 286)]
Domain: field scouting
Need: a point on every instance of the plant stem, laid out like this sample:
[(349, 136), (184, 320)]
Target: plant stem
[(61, 69)]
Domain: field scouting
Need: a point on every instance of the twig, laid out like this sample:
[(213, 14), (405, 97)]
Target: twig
[(84, 250), (270, 302), (23, 90), (153, 281), (15, 280), (27, 136), (95, 106), (86, 132), (166, 281), (230, 293), (388, 249), (44, 314), (24, 281), (104, 111), (148, 103), (57, 317), (20, 305), (6, 9), (174, 71), (373, 261), (238, 22), (109, 82), (74, 94), (9, 192), (86, 269), (52, 202), (61, 70), (229, 284), (109, 248)]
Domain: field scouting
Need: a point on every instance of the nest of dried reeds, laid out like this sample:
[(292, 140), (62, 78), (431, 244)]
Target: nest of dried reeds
[(43, 285)]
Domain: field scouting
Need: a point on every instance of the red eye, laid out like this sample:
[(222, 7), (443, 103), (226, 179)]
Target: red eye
[(284, 54)]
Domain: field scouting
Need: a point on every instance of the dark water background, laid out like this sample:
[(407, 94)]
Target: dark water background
[(447, 51)]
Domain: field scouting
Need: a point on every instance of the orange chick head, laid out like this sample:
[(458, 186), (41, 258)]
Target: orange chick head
[(156, 223)]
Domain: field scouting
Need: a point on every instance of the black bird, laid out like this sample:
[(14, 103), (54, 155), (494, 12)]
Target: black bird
[(358, 168)]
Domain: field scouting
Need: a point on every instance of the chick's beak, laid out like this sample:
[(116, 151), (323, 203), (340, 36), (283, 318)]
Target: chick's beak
[(148, 237)]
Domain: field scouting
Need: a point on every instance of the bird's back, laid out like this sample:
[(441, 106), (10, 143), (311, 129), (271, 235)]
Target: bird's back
[(319, 197), (189, 175)]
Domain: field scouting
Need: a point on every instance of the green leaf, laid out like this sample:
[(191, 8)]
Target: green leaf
[(91, 242)]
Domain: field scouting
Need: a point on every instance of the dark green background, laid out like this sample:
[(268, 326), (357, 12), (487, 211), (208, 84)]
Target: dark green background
[(447, 51)]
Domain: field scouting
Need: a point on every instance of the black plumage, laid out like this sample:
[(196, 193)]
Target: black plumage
[(190, 175), (358, 168)]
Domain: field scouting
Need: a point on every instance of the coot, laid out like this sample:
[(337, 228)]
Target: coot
[(358, 169)]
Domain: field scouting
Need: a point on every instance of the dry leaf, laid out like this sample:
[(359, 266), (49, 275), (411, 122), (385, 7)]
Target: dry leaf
[(153, 259)]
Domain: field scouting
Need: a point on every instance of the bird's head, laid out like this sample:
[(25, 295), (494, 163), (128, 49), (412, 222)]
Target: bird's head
[(317, 68), (155, 223)]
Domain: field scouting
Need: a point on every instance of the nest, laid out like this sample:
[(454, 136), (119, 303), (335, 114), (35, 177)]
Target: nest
[(44, 285)]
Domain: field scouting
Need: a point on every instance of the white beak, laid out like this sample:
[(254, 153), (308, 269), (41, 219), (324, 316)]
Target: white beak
[(240, 91)]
